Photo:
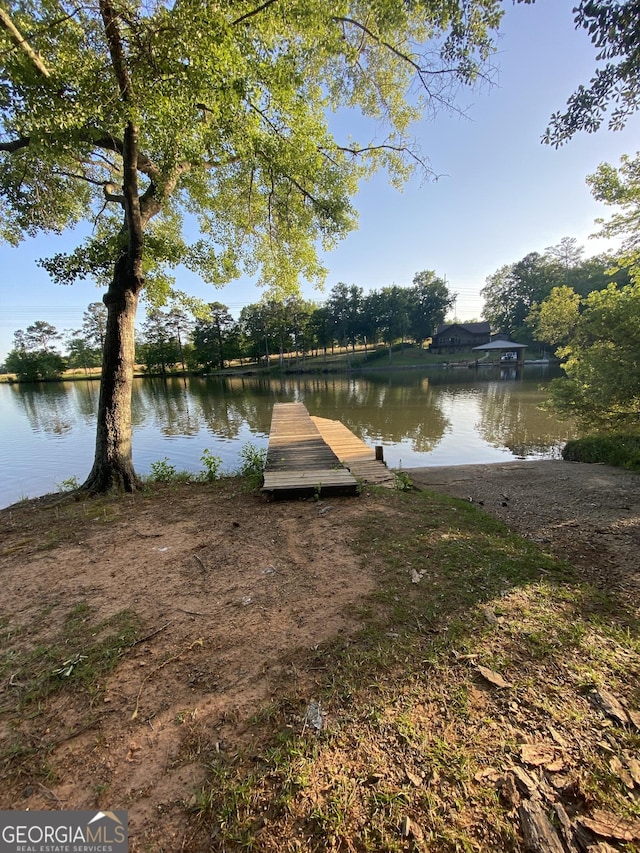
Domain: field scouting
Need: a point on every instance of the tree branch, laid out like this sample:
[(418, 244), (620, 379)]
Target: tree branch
[(422, 72), (102, 162), (94, 181), (257, 11), (109, 195), (150, 203), (112, 143), (116, 50), (266, 118), (16, 37), (107, 142), (401, 149), (15, 144)]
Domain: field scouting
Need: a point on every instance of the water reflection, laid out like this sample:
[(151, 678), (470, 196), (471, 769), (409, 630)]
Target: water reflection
[(166, 404), (226, 405), (47, 406), (440, 418), (517, 422), (86, 397)]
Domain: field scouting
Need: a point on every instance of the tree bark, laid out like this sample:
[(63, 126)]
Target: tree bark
[(113, 463)]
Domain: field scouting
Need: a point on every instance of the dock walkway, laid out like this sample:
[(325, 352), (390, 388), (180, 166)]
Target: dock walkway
[(299, 461), (308, 456), (357, 456)]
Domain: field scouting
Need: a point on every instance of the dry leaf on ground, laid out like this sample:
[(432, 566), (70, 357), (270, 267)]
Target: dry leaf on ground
[(538, 753), (493, 677), (608, 825)]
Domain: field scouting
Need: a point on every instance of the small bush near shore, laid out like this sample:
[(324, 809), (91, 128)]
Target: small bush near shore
[(623, 451)]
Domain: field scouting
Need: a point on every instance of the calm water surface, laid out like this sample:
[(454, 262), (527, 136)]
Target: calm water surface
[(445, 417)]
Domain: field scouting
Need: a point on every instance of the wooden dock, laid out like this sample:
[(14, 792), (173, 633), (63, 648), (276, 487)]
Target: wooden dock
[(354, 454), (299, 461), (312, 456)]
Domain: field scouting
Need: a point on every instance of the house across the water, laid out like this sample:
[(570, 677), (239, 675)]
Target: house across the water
[(458, 337)]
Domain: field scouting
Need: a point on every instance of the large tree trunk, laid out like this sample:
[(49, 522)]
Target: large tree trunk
[(113, 463)]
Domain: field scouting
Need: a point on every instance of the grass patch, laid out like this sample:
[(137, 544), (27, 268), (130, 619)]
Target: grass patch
[(78, 658), (417, 744), (37, 666)]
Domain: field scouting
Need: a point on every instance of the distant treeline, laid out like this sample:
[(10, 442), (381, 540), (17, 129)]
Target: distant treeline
[(194, 336)]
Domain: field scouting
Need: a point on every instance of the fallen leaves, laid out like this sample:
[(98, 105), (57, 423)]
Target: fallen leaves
[(608, 825), (537, 754), (493, 677), (618, 769), (538, 797), (609, 705)]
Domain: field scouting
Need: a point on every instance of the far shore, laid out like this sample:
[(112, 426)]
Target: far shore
[(343, 366)]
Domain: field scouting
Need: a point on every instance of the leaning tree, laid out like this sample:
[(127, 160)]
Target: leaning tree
[(141, 117)]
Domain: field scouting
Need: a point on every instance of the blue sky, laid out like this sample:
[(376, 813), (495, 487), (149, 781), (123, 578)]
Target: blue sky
[(500, 195)]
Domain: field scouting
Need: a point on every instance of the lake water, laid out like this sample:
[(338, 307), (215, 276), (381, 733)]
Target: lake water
[(444, 417)]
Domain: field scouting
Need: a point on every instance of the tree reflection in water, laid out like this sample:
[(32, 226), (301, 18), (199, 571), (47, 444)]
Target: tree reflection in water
[(445, 417), (518, 422), (47, 406)]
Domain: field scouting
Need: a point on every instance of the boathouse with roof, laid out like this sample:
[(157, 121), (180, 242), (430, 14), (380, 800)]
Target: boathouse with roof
[(460, 337)]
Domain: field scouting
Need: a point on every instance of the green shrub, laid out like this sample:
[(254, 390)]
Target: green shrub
[(69, 485), (622, 451), (252, 463), (212, 465), (252, 460), (402, 481), (163, 471)]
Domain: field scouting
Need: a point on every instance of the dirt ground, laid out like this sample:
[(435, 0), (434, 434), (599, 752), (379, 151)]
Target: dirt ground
[(227, 589), (226, 592)]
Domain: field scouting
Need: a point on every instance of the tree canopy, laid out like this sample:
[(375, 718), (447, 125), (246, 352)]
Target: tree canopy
[(515, 293), (613, 93), (220, 111), (598, 332), (134, 116), (554, 320), (620, 187), (602, 361), (512, 290), (34, 355)]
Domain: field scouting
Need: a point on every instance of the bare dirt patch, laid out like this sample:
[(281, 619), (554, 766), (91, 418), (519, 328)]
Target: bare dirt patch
[(228, 593), (225, 587)]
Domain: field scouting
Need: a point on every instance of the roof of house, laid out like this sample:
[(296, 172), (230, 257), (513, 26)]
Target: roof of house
[(483, 328), (501, 345)]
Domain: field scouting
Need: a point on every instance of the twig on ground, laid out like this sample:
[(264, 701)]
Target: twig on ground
[(198, 642), (51, 794), (204, 568), (149, 636), (148, 535)]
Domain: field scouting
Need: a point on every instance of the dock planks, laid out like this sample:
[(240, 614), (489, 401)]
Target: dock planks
[(357, 456), (310, 455), (299, 461)]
